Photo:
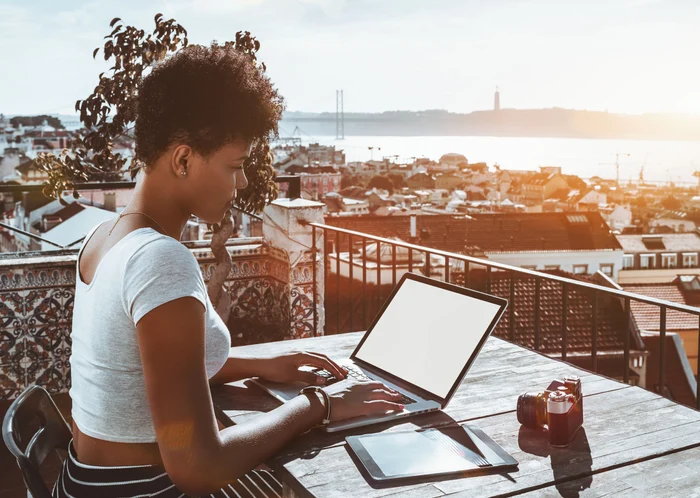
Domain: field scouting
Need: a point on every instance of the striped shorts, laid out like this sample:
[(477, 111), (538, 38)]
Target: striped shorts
[(78, 480)]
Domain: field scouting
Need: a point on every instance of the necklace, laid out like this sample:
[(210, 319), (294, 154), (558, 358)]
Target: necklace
[(122, 214)]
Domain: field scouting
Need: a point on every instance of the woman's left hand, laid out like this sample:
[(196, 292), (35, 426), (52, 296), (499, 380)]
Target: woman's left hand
[(285, 368)]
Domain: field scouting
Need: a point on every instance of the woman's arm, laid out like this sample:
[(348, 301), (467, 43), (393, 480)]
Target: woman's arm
[(198, 457), (238, 368), (280, 368)]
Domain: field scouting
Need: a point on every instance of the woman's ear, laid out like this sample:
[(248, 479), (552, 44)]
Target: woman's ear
[(181, 158)]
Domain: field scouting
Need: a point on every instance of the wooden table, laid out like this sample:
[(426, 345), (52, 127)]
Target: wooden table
[(634, 442)]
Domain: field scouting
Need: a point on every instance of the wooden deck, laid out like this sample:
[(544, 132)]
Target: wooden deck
[(634, 442)]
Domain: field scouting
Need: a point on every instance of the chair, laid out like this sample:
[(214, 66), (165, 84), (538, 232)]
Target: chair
[(31, 446)]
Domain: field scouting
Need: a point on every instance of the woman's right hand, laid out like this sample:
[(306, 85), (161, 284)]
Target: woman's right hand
[(350, 398)]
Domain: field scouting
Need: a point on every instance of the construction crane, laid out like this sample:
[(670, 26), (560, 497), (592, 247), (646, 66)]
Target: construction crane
[(617, 165), (641, 171)]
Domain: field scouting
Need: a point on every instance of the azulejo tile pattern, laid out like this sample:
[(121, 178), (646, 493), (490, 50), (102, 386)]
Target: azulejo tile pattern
[(302, 318), (36, 308)]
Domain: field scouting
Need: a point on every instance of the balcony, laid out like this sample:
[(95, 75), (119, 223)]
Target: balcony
[(303, 278)]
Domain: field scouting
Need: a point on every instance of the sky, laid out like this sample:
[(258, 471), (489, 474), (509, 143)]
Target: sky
[(623, 56)]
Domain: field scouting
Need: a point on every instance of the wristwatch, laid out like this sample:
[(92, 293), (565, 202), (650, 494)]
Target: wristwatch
[(326, 398)]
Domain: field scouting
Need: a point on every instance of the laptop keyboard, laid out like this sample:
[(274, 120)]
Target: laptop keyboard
[(357, 374)]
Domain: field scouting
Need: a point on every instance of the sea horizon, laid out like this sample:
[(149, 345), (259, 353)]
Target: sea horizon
[(663, 161)]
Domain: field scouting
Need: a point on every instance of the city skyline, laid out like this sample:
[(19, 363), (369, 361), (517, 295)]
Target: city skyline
[(633, 57)]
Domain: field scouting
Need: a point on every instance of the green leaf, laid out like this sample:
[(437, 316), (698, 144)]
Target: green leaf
[(158, 17), (114, 21), (95, 52)]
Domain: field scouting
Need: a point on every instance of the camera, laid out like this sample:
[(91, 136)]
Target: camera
[(559, 408)]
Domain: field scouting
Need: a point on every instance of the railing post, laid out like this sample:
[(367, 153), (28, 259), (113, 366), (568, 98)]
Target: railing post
[(337, 282), (379, 276), (594, 343), (314, 252), (427, 264), (511, 311), (628, 333), (393, 265), (364, 283), (662, 352), (466, 274), (488, 279), (447, 269), (564, 309), (410, 260), (350, 273), (537, 313), (697, 377)]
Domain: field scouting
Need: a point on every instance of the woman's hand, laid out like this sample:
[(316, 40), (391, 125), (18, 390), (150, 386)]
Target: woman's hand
[(285, 368), (351, 399)]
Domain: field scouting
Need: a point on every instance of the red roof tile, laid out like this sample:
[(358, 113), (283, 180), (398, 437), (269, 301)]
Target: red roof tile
[(647, 315), (492, 232)]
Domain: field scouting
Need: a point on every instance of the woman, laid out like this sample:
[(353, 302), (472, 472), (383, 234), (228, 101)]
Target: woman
[(147, 343)]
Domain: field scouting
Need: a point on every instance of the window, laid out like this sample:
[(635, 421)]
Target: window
[(551, 267), (653, 242), (628, 261), (581, 269), (668, 261), (607, 269), (690, 259), (577, 218), (648, 260), (529, 267)]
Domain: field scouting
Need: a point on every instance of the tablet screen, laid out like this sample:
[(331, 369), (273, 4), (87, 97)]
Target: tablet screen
[(418, 453)]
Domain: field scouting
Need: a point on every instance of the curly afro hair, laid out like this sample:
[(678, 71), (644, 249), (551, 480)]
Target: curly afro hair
[(205, 97)]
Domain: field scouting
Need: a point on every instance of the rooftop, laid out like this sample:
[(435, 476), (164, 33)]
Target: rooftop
[(647, 315), (499, 232), (671, 242)]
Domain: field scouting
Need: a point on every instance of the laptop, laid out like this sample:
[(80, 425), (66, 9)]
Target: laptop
[(422, 344)]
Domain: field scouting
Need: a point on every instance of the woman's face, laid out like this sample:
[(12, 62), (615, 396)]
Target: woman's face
[(212, 182)]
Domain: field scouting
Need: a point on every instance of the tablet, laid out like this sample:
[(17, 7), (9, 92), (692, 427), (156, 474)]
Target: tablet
[(453, 450)]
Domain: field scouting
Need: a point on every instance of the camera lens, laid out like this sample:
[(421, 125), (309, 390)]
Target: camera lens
[(532, 410)]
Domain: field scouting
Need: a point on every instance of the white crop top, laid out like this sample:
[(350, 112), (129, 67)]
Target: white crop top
[(142, 271)]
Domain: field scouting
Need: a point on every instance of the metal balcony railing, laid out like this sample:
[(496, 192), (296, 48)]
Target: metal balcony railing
[(350, 238)]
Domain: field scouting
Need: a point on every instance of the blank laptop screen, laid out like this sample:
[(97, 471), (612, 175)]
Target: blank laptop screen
[(427, 334)]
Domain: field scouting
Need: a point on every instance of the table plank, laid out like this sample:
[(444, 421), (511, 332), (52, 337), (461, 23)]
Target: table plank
[(666, 476), (620, 426)]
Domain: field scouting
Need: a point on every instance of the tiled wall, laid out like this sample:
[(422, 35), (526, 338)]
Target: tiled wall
[(36, 308)]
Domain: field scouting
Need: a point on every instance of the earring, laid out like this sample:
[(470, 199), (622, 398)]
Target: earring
[(183, 172)]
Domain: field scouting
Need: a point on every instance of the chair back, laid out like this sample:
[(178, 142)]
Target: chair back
[(31, 446)]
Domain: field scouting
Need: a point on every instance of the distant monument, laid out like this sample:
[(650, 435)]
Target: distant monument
[(497, 100)]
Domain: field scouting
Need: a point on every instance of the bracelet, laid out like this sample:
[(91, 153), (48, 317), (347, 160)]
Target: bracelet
[(326, 398)]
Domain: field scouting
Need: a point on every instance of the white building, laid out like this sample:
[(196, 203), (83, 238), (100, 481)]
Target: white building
[(673, 220)]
